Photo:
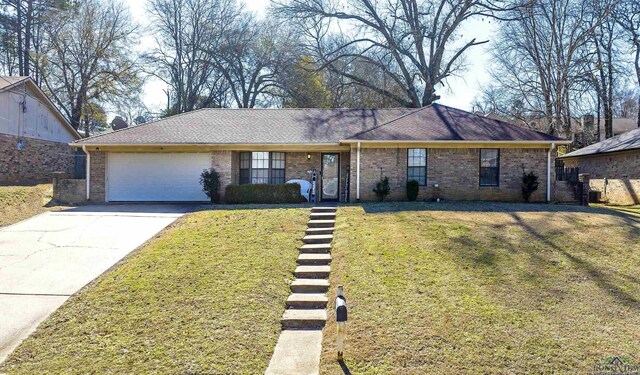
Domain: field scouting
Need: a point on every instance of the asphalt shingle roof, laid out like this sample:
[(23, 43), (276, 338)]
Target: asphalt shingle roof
[(623, 142), (317, 126), (442, 123)]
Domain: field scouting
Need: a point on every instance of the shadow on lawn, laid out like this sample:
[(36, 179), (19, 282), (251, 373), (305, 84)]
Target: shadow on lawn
[(505, 207), (604, 281), (489, 259), (344, 368)]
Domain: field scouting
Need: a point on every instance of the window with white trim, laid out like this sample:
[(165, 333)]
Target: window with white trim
[(489, 167), (417, 165), (262, 167)]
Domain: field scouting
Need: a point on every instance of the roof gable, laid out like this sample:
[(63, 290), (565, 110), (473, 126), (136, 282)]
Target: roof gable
[(11, 82), (441, 123)]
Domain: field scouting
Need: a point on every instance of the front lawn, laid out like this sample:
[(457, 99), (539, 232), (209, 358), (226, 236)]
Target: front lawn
[(205, 296), (632, 210), (21, 202), (475, 288)]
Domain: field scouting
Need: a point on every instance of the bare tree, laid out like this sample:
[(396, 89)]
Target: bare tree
[(628, 17), (539, 58), (411, 42), (605, 65), (252, 56), (185, 31), (21, 25), (89, 56)]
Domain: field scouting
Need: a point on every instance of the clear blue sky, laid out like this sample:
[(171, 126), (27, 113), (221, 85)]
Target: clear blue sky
[(459, 92)]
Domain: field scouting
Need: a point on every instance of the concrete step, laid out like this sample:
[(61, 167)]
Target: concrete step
[(322, 215), (321, 223), (297, 352), (310, 286), (318, 238), (316, 248), (304, 318), (307, 301), (312, 272), (324, 209), (312, 231), (314, 259)]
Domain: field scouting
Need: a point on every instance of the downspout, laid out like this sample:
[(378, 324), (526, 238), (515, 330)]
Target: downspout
[(553, 146), (358, 173), (88, 172)]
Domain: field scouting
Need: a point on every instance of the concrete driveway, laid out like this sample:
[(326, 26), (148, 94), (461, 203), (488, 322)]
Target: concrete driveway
[(45, 259)]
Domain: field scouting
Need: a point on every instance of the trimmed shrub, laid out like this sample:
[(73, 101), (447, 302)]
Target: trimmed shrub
[(210, 181), (382, 188), (263, 193), (412, 190), (529, 184)]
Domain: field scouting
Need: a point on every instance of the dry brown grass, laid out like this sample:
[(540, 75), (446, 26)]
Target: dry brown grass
[(485, 288), (21, 202)]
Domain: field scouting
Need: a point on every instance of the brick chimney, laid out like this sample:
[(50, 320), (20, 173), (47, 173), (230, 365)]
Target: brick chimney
[(587, 124)]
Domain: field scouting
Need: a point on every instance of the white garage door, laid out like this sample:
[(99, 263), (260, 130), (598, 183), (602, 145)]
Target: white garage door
[(155, 177)]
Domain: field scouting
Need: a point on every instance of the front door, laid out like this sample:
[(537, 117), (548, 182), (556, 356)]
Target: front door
[(330, 177)]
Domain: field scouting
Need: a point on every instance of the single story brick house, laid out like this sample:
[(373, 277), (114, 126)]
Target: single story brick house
[(613, 166), (34, 135), (453, 154)]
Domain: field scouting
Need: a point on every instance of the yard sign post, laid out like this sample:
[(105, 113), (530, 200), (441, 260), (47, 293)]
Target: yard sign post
[(341, 320)]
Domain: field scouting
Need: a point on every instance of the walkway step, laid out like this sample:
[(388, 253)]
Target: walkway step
[(318, 238), (312, 231), (324, 209), (304, 318), (316, 248), (297, 352), (307, 301), (310, 286), (323, 215), (321, 223), (307, 259), (312, 272)]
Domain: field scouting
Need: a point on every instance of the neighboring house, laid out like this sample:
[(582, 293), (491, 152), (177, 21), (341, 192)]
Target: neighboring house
[(613, 166), (452, 153), (34, 135)]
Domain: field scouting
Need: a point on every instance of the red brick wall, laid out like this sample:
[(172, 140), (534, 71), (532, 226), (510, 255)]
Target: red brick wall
[(621, 171), (37, 160), (456, 170)]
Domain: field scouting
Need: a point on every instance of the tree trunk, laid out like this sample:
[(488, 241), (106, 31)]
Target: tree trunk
[(19, 32), (638, 121), (27, 37), (598, 111)]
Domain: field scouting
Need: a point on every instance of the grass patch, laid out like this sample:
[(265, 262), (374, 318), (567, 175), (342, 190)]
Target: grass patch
[(484, 288), (205, 296), (631, 210), (21, 202)]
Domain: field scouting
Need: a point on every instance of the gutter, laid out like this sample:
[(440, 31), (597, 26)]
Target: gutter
[(557, 142)]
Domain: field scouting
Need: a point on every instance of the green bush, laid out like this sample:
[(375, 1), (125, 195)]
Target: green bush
[(210, 181), (529, 184), (382, 188), (263, 193), (412, 190)]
